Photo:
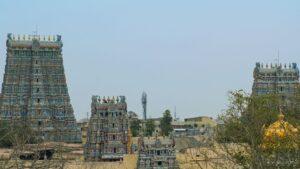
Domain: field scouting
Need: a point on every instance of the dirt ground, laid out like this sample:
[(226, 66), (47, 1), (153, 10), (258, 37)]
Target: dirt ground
[(192, 158), (129, 162)]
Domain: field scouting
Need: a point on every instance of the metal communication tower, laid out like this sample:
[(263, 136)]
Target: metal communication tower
[(144, 103)]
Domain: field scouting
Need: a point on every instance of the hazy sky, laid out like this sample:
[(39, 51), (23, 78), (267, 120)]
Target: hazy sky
[(183, 53)]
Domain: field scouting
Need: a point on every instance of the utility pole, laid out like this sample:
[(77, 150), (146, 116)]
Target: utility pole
[(175, 118)]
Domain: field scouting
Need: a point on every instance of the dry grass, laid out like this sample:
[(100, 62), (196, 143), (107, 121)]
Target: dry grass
[(5, 153), (193, 158), (204, 158), (129, 162)]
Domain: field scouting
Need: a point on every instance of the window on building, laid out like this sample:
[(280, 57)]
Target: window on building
[(39, 123), (115, 150), (38, 90), (36, 62), (37, 80), (114, 137), (158, 152), (38, 100), (113, 125), (281, 88), (159, 163)]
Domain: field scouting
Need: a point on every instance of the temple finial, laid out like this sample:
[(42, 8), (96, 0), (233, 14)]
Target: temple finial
[(281, 114)]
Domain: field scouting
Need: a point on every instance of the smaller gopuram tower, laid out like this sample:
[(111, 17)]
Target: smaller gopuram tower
[(156, 152), (108, 132)]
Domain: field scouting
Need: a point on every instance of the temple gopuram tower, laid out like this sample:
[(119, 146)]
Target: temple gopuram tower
[(108, 135), (275, 79), (34, 87), (157, 152)]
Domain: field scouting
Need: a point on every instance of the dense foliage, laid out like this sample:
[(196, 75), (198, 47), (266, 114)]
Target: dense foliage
[(4, 135), (165, 123), (243, 126), (135, 127), (150, 127), (15, 133)]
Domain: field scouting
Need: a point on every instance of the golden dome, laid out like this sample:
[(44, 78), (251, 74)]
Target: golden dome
[(280, 134)]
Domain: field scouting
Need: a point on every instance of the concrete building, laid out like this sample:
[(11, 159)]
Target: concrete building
[(83, 124), (196, 126), (108, 134), (34, 88)]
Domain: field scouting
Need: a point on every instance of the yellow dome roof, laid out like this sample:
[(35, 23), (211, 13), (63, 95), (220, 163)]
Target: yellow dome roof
[(279, 131)]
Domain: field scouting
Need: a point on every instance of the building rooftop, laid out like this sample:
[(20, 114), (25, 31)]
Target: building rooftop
[(198, 118), (155, 119)]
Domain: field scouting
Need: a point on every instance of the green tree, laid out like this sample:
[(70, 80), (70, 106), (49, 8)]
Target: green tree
[(244, 121), (250, 113), (165, 123), (150, 127), (293, 108), (10, 133), (135, 127)]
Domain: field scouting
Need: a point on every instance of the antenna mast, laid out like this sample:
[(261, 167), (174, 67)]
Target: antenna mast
[(278, 57), (144, 103)]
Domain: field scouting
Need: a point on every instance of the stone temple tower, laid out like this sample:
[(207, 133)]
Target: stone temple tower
[(34, 87), (276, 79), (108, 134)]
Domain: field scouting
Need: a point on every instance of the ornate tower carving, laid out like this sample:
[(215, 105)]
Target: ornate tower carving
[(108, 133), (275, 79), (34, 87)]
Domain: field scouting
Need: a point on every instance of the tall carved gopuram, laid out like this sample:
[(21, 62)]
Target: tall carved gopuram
[(34, 87)]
